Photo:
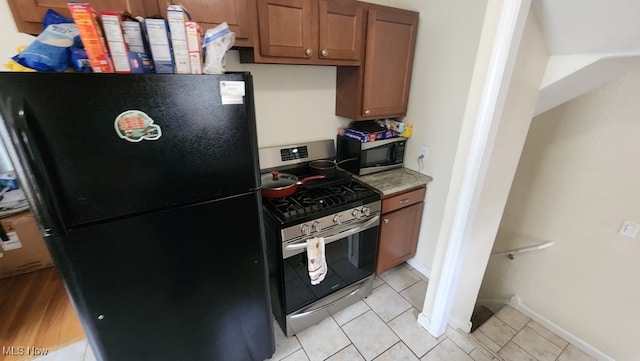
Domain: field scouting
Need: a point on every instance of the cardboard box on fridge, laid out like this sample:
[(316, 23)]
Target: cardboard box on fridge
[(25, 251), (176, 17), (86, 19), (115, 40), (194, 43), (160, 44), (139, 52)]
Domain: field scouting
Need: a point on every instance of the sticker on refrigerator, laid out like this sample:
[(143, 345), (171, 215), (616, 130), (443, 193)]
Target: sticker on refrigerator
[(136, 126), (231, 92)]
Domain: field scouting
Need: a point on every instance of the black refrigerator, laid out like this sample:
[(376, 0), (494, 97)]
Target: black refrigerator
[(147, 188)]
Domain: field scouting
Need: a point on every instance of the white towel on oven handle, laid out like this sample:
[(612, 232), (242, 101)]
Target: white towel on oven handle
[(316, 261)]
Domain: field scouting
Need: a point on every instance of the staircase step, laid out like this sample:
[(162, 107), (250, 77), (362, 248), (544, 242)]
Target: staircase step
[(479, 316)]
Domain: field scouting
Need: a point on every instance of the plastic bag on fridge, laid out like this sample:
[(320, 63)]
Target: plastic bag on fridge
[(215, 44)]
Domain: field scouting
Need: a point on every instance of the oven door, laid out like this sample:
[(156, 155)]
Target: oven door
[(350, 254)]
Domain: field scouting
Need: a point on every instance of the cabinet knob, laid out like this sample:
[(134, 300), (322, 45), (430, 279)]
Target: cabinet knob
[(324, 53), (308, 52), (386, 220), (367, 111)]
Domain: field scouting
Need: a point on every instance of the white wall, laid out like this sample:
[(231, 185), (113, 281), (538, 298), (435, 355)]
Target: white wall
[(447, 42), (294, 103), (498, 112), (510, 138), (575, 185), (10, 40)]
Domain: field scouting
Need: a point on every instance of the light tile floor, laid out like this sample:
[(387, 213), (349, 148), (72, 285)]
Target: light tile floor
[(383, 327), (514, 336)]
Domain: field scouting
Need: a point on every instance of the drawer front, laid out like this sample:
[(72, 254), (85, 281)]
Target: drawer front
[(402, 200)]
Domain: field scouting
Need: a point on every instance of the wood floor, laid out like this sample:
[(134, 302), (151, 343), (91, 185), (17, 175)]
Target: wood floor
[(35, 311)]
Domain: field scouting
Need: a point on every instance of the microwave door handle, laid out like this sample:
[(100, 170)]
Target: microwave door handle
[(392, 156)]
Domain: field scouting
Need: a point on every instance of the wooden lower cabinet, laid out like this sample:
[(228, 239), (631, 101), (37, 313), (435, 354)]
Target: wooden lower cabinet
[(399, 231)]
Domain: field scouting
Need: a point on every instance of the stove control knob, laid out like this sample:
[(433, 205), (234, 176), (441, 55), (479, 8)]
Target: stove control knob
[(305, 229), (356, 213), (366, 211), (337, 220), (315, 226)]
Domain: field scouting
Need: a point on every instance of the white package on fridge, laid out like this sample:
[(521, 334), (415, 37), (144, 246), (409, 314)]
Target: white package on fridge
[(215, 44)]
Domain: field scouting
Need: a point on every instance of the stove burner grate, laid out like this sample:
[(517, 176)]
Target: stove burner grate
[(310, 201)]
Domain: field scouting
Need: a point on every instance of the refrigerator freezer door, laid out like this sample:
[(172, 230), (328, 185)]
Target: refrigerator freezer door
[(112, 145), (180, 284)]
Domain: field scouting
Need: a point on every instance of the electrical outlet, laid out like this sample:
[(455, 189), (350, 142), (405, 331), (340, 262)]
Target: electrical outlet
[(629, 229), (424, 152)]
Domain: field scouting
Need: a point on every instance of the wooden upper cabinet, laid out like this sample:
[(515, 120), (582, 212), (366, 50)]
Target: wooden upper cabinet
[(287, 28), (211, 13), (238, 14), (341, 30), (380, 88), (321, 32), (28, 14), (391, 37)]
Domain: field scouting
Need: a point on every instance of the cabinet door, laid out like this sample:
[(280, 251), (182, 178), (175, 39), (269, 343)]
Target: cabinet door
[(341, 26), (398, 236), (209, 14), (287, 28), (391, 36), (28, 15)]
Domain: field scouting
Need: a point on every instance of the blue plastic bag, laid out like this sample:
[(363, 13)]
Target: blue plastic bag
[(49, 50)]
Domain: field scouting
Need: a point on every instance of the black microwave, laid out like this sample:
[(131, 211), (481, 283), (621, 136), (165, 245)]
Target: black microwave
[(369, 157)]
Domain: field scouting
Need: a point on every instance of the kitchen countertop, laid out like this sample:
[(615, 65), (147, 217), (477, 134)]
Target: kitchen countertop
[(395, 180)]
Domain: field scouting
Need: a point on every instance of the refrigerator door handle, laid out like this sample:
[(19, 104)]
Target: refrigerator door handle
[(14, 131)]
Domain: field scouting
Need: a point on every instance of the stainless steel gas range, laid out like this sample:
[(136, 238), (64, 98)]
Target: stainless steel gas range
[(341, 210)]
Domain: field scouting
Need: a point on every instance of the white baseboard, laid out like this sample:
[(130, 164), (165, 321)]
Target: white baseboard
[(426, 323), (460, 325), (424, 270), (422, 319), (493, 304), (566, 335)]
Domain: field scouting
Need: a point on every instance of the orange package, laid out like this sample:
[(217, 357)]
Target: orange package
[(85, 18)]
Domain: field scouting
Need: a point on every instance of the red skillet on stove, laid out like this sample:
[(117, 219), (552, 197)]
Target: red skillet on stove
[(278, 185)]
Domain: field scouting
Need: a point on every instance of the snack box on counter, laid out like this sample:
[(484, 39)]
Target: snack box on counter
[(366, 136)]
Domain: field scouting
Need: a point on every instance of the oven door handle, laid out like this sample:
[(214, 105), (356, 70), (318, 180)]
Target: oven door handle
[(350, 293), (337, 236)]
